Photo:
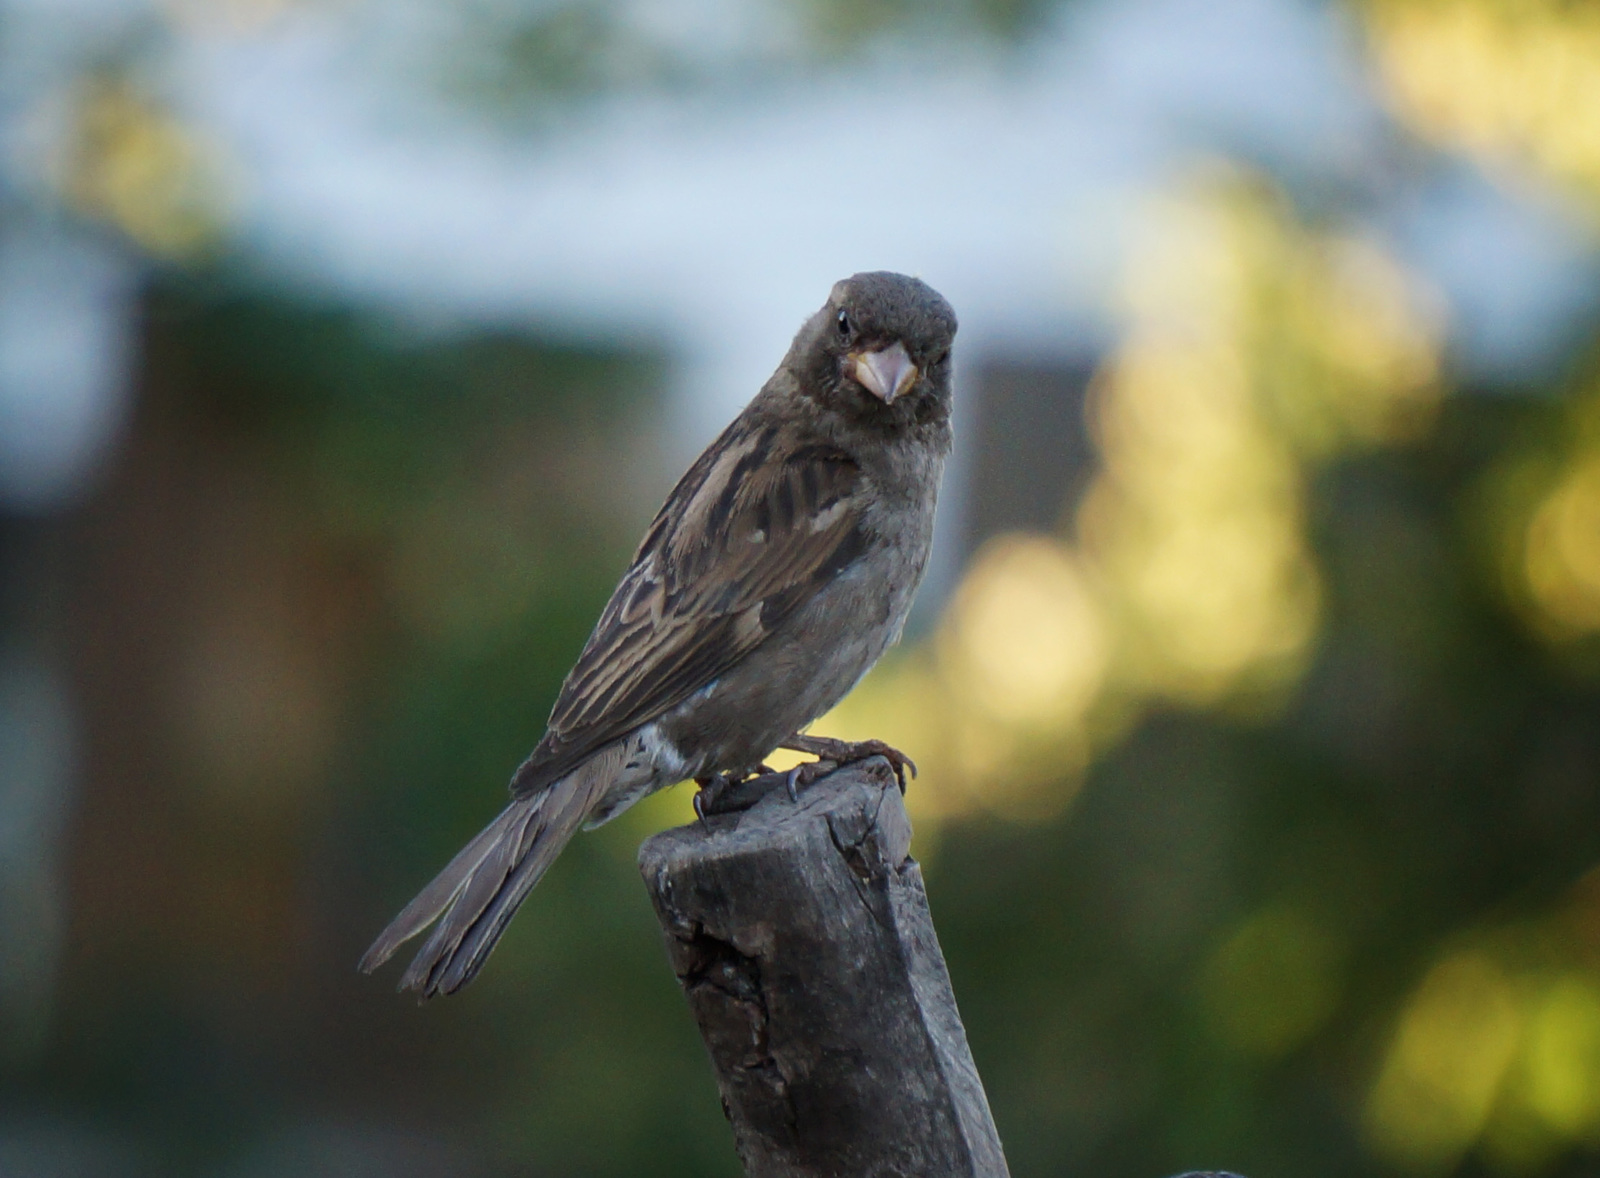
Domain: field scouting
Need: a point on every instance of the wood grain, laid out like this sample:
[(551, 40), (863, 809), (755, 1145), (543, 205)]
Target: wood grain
[(801, 935)]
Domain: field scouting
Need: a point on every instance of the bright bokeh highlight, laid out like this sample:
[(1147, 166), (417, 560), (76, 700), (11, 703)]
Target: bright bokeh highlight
[(1514, 82), (132, 163), (1562, 551), (1496, 1051), (1025, 639), (1454, 1045)]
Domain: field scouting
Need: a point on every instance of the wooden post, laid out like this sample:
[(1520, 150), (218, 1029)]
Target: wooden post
[(801, 935)]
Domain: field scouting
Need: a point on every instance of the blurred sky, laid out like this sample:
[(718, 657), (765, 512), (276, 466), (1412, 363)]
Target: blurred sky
[(705, 215)]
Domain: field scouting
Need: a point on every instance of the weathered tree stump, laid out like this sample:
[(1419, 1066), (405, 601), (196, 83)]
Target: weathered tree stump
[(801, 935)]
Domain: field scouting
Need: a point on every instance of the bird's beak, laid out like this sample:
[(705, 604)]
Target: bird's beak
[(885, 374)]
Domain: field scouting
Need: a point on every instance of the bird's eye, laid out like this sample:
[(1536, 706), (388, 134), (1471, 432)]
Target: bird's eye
[(844, 324), (942, 359)]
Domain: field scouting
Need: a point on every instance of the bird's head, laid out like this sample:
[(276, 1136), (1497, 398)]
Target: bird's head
[(880, 347)]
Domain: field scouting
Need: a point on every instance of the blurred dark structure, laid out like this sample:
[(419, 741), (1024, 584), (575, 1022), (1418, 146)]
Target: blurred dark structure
[(1032, 454)]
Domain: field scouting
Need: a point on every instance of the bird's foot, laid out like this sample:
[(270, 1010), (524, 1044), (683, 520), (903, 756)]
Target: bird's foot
[(835, 753), (713, 792), (725, 793)]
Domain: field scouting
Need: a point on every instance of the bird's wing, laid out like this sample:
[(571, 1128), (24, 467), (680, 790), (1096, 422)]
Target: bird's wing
[(755, 529)]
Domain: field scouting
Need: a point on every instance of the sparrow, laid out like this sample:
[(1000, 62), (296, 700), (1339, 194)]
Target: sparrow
[(780, 568)]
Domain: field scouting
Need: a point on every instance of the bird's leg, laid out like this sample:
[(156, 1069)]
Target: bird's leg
[(846, 752)]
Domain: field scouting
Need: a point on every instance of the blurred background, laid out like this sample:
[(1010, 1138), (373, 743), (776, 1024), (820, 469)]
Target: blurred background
[(346, 347)]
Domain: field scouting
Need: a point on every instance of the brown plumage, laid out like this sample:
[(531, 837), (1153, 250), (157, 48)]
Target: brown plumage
[(778, 570)]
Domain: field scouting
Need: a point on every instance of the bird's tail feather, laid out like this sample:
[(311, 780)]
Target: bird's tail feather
[(476, 894)]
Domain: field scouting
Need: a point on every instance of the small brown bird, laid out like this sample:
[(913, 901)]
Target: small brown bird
[(779, 569)]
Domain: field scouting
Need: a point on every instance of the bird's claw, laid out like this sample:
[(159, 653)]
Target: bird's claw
[(713, 791), (904, 767), (804, 774)]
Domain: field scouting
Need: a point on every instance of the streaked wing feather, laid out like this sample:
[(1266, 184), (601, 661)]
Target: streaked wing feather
[(743, 540)]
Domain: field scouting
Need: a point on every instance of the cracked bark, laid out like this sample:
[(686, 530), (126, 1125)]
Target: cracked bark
[(802, 939)]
